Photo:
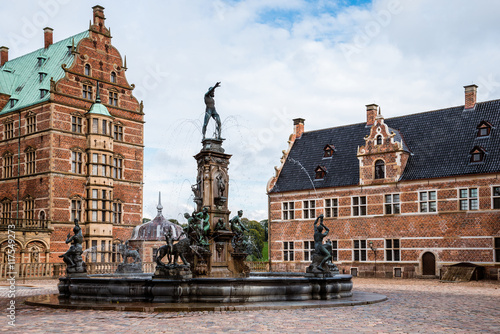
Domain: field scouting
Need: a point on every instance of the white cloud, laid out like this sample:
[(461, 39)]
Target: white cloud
[(323, 65)]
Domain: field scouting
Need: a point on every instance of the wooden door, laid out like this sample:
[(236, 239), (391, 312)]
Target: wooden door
[(428, 264)]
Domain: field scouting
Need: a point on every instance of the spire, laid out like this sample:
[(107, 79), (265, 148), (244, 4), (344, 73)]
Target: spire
[(98, 96), (125, 64), (159, 207)]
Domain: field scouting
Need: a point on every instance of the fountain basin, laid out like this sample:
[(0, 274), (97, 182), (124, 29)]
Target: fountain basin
[(204, 290)]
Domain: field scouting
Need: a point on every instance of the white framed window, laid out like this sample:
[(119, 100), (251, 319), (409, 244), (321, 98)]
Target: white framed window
[(392, 204), (288, 211), (308, 250), (95, 162), (392, 250), (428, 201), (309, 209), (288, 251), (359, 250), (94, 205), (359, 206), (331, 207), (495, 192), (469, 199)]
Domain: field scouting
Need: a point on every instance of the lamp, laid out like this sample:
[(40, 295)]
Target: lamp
[(374, 250)]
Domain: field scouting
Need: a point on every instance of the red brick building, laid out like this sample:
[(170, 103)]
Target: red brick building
[(71, 146), (402, 197)]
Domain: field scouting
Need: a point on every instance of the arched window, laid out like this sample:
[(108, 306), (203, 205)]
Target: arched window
[(379, 140), (113, 77), (87, 69), (379, 169)]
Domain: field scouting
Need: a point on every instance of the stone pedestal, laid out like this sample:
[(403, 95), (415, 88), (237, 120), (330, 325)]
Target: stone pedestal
[(211, 192), (177, 273), (129, 268)]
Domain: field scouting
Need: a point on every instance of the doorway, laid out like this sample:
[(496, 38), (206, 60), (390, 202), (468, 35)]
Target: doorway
[(428, 264)]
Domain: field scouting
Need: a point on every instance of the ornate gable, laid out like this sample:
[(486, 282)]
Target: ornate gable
[(384, 156)]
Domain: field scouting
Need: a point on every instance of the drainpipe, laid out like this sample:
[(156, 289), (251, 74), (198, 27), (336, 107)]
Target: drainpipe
[(18, 164)]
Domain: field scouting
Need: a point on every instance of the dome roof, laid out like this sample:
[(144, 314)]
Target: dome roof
[(157, 228)]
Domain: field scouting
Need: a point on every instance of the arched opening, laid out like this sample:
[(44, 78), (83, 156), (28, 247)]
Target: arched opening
[(379, 169), (379, 140), (428, 264), (87, 69)]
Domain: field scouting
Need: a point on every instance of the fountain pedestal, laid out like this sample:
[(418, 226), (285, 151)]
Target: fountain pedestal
[(211, 192)]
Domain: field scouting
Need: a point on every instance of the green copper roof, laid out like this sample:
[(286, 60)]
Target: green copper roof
[(20, 77), (98, 108)]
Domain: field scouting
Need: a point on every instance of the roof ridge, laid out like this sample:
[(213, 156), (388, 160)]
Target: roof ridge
[(399, 117)]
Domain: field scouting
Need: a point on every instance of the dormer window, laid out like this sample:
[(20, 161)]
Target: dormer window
[(41, 76), (43, 93), (477, 154), (87, 69), (320, 173), (483, 129), (328, 151), (379, 140), (41, 61), (12, 102), (379, 169), (113, 77)]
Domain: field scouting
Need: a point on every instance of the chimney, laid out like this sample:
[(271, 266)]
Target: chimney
[(99, 16), (48, 36), (371, 114), (4, 55), (298, 127), (470, 96)]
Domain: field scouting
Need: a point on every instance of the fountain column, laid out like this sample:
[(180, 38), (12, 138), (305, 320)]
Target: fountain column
[(211, 192)]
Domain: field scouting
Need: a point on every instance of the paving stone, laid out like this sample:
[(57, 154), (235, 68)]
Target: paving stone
[(414, 306)]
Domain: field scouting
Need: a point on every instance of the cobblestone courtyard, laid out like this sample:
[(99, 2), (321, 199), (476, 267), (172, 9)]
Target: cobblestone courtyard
[(414, 306)]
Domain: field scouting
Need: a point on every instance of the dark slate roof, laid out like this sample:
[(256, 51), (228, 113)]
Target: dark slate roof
[(440, 142)]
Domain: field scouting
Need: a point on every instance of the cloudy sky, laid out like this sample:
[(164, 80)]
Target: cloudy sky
[(277, 60)]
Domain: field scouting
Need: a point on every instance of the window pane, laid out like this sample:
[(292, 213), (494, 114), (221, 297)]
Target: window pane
[(396, 208), (432, 207), (388, 198), (474, 204), (432, 195), (363, 199), (292, 204), (388, 255), (463, 193), (363, 255), (463, 205), (496, 203), (396, 198), (423, 207), (473, 192), (356, 243), (363, 243), (396, 255), (388, 243), (496, 191), (388, 209), (327, 202), (363, 210), (355, 200)]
